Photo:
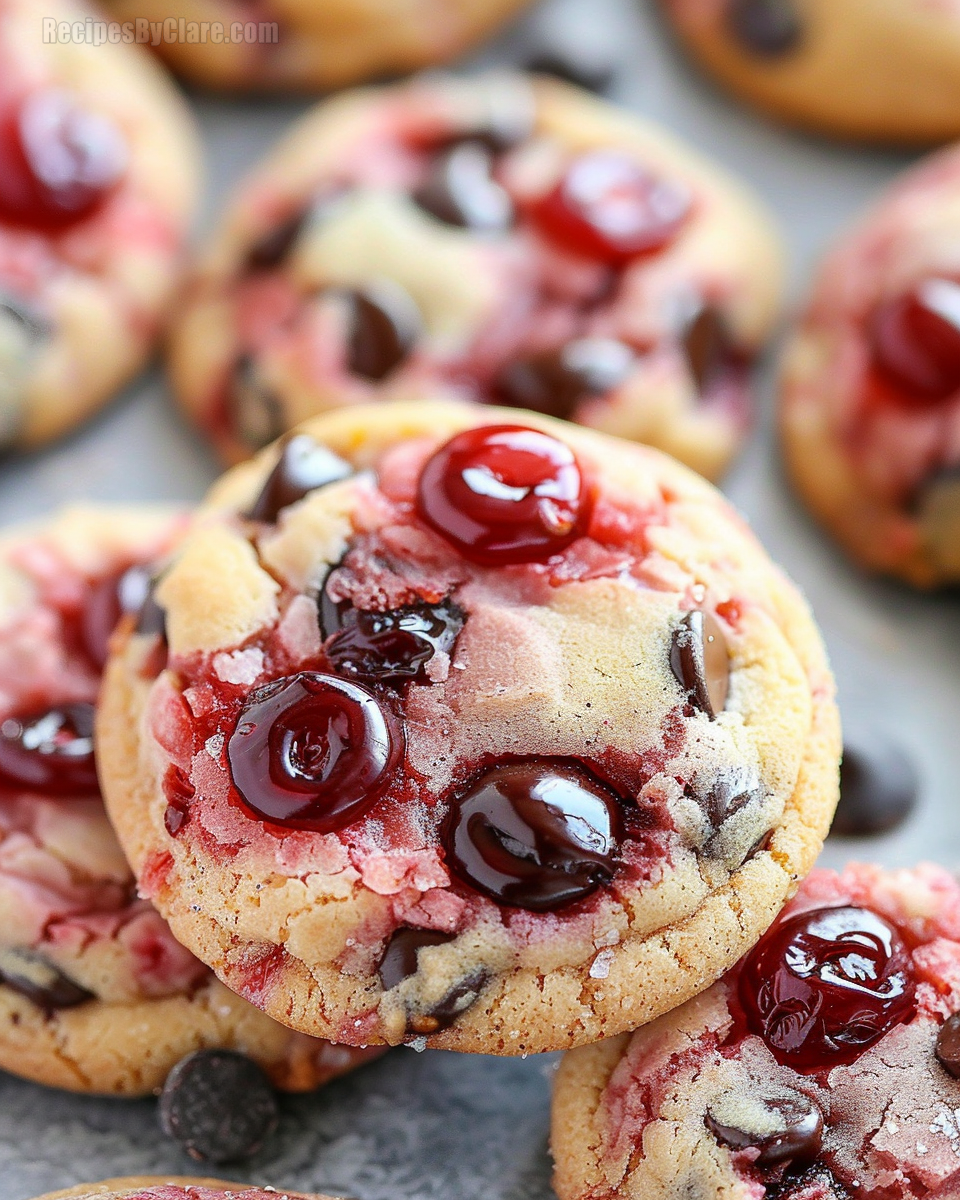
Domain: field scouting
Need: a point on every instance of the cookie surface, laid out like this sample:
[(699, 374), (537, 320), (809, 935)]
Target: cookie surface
[(96, 995), (98, 181), (496, 239), (870, 393), (827, 1065), (433, 755), (305, 46), (172, 1187), (874, 70)]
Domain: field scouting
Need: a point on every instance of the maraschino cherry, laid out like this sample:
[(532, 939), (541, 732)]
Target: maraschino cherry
[(312, 751), (609, 207), (50, 751), (504, 494), (58, 160), (824, 986), (915, 342)]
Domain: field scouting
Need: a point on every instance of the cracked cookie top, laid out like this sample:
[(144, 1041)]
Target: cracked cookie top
[(461, 718), (825, 1065), (498, 239)]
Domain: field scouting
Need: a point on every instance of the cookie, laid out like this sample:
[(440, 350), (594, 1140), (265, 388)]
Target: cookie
[(885, 72), (96, 995), (827, 1065), (172, 1187), (301, 45), (870, 404), (98, 183), (480, 734), (498, 239)]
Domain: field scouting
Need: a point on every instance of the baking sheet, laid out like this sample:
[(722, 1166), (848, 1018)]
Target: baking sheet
[(439, 1126)]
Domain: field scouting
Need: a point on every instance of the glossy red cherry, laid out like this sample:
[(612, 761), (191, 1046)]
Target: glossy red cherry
[(504, 494), (50, 751), (609, 207), (125, 592), (388, 647), (312, 751), (58, 161), (915, 341), (824, 986)]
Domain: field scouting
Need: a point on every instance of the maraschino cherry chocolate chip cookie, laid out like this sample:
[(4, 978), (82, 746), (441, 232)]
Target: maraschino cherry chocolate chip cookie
[(870, 409), (887, 71), (96, 995), (493, 239), (173, 1187), (302, 45), (476, 728), (826, 1066), (98, 180)]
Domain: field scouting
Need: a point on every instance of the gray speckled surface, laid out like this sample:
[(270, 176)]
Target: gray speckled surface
[(419, 1127)]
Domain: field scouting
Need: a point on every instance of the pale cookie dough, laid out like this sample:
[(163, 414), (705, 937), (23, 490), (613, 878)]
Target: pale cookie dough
[(173, 1187), (870, 404), (498, 239), (835, 1076), (98, 183), (95, 993), (870, 70), (311, 45), (482, 735)]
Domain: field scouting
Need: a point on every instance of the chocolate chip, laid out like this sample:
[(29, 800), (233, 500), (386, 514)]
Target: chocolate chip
[(152, 618), (461, 191), (797, 1141), (730, 793), (767, 28), (30, 975), (815, 1183), (270, 250), (592, 71), (948, 1045), (218, 1105), (401, 961), (938, 514), (303, 466), (256, 413), (879, 787), (709, 347), (556, 381), (700, 661), (385, 325), (393, 646)]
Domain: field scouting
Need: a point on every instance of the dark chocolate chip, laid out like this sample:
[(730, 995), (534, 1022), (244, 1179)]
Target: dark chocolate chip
[(730, 793), (460, 190), (556, 381), (815, 1183), (700, 661), (947, 1047), (43, 984), (256, 413), (218, 1105), (393, 646), (592, 71), (766, 28), (709, 348), (798, 1141), (879, 787), (938, 514), (303, 466), (270, 250), (385, 325), (400, 959), (152, 618), (443, 1014)]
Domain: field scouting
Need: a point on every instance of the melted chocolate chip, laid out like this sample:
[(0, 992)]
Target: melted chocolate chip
[(947, 1047), (256, 413), (384, 327), (592, 71), (766, 28), (303, 466), (443, 1014), (938, 514), (393, 646), (700, 661), (461, 191), (879, 787), (270, 250), (536, 834), (218, 1105), (43, 984), (556, 381), (400, 959), (709, 348), (797, 1141), (732, 792)]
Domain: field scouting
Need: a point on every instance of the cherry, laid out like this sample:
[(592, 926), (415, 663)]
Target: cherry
[(609, 207), (535, 834), (50, 751), (58, 161), (824, 986), (915, 341), (504, 493), (312, 751), (125, 592), (392, 646)]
